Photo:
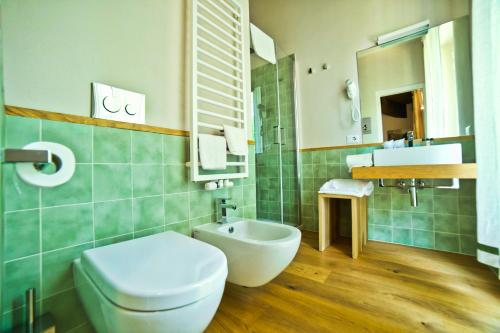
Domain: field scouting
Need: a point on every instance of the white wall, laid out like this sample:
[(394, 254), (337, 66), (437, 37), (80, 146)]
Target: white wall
[(332, 31), (53, 49)]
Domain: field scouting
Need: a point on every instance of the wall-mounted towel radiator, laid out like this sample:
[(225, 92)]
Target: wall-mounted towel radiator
[(219, 75)]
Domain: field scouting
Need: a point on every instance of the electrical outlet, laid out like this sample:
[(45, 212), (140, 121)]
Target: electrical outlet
[(353, 139)]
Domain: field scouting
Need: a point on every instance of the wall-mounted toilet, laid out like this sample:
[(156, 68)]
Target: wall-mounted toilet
[(161, 283)]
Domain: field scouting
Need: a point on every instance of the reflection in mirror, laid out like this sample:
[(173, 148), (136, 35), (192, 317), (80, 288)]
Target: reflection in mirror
[(422, 84), (402, 113)]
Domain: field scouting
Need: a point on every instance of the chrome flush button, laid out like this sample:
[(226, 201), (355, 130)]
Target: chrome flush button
[(111, 104)]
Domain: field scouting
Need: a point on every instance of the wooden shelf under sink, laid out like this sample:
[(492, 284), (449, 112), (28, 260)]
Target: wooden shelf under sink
[(432, 171)]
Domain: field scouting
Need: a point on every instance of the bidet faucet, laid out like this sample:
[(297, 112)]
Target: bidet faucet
[(224, 206)]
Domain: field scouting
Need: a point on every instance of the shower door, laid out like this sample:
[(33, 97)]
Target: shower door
[(275, 135)]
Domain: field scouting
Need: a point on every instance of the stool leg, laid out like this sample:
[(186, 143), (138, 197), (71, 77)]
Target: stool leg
[(324, 222), (355, 226), (365, 219)]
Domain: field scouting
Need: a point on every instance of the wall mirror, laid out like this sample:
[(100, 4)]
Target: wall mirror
[(421, 84)]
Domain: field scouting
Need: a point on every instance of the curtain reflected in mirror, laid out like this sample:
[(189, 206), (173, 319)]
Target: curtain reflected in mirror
[(448, 80)]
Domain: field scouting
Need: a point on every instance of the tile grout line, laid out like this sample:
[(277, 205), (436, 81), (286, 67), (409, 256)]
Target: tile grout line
[(131, 184), (163, 182), (92, 144), (40, 217)]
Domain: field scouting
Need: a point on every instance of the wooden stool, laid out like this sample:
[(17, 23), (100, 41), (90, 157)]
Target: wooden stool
[(328, 221)]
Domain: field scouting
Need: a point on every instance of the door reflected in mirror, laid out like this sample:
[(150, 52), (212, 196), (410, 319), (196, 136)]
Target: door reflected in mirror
[(401, 113)]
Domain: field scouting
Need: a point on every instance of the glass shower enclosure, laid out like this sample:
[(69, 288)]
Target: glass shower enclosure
[(276, 143)]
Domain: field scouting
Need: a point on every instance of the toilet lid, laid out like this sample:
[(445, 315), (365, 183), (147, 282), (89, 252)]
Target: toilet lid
[(158, 272)]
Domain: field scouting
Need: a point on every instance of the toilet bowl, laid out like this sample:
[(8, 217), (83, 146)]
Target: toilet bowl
[(162, 283)]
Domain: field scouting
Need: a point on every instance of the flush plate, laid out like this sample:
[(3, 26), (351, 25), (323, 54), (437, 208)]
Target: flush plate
[(424, 155), (117, 104)]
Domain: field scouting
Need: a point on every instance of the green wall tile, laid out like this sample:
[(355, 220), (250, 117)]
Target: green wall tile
[(176, 179), (447, 242), (114, 240), (20, 275), (77, 190), (333, 156), (146, 147), (423, 238), (149, 232), (181, 227), (111, 145), (468, 244), (382, 201), (18, 195), (176, 207), (423, 221), (76, 137), (66, 226), (21, 234), (148, 212), (112, 181), (467, 206), (402, 236), (445, 205), (467, 225), (200, 203), (66, 310), (401, 219), (175, 149), (249, 195), (19, 131), (446, 223), (382, 233), (57, 274), (113, 218), (382, 217), (400, 202), (147, 180)]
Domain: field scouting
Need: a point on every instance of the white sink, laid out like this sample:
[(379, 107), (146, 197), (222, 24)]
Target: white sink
[(438, 154)]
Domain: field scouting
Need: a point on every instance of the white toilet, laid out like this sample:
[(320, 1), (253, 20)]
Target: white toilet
[(161, 283)]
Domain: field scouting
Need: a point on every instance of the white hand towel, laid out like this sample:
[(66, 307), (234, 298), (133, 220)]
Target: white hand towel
[(357, 188), (359, 161), (236, 140), (212, 149)]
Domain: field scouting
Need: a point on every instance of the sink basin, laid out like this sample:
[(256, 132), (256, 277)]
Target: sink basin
[(424, 155)]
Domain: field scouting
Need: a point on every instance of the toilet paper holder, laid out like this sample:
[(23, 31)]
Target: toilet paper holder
[(27, 156)]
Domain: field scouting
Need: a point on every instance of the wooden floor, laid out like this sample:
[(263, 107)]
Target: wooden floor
[(389, 288)]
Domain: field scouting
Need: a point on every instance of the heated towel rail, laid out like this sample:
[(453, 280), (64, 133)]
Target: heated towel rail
[(219, 70)]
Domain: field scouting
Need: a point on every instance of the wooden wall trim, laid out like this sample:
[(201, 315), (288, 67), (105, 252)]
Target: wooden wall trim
[(380, 144), (69, 118)]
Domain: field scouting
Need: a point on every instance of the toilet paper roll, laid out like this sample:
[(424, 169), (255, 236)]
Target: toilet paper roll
[(61, 155)]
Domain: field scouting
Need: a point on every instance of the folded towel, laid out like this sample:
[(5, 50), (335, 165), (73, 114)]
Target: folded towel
[(236, 140), (357, 188), (212, 149), (389, 144), (399, 143), (359, 161)]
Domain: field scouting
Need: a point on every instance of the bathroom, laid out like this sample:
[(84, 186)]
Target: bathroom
[(250, 165)]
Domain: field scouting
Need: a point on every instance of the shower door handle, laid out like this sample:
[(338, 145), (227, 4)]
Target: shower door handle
[(283, 136), (276, 134)]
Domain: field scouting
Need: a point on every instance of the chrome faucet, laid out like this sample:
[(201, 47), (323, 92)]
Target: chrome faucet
[(409, 137), (224, 206)]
